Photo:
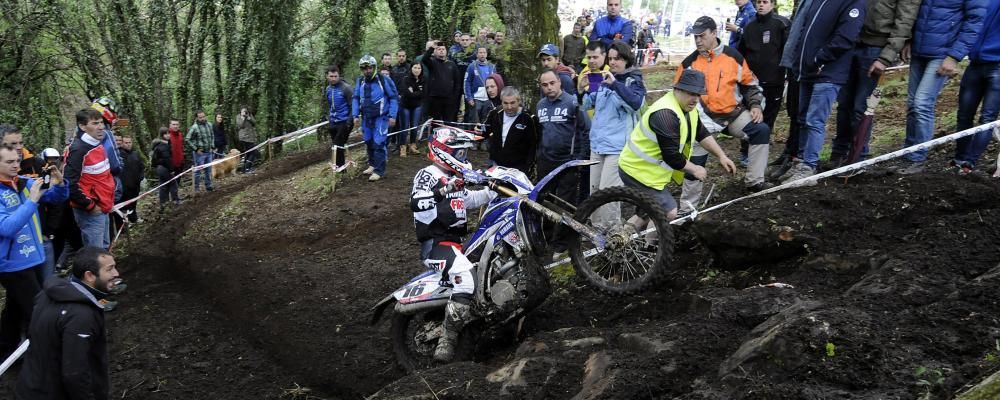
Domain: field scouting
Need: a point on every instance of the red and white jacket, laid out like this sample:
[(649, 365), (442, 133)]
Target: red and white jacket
[(89, 175)]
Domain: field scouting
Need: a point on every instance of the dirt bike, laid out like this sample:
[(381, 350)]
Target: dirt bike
[(614, 254)]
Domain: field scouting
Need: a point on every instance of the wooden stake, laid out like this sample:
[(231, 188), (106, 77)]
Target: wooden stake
[(333, 160)]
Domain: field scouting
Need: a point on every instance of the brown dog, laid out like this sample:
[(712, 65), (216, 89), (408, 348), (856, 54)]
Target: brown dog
[(226, 167)]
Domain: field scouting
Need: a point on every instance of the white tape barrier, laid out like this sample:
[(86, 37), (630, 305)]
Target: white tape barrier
[(14, 356), (285, 139), (294, 134), (995, 126)]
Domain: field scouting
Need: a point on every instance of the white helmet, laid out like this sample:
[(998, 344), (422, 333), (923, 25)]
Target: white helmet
[(367, 61), (449, 149), (51, 153)]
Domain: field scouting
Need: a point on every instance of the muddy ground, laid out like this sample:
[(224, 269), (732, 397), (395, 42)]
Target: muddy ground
[(261, 289)]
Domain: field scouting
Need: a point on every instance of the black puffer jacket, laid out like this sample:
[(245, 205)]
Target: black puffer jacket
[(161, 153), (68, 356)]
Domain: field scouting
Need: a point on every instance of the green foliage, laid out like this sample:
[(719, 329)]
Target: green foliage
[(831, 350), (930, 379), (562, 275)]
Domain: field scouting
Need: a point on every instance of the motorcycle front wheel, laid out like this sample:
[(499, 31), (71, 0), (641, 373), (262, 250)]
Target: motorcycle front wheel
[(414, 338), (639, 245)]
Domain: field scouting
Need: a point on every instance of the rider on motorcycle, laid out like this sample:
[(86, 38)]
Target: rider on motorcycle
[(439, 201)]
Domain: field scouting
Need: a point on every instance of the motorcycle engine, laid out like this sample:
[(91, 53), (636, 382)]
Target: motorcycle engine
[(502, 292)]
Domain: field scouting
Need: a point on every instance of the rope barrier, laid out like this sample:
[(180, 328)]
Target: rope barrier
[(995, 126)]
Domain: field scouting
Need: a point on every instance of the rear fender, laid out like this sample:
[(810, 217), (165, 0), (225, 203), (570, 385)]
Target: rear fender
[(379, 308), (425, 288)]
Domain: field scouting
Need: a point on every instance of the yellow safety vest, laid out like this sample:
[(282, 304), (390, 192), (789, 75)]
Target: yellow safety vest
[(641, 159)]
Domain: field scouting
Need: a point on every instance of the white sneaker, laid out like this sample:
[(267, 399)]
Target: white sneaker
[(374, 177), (369, 170)]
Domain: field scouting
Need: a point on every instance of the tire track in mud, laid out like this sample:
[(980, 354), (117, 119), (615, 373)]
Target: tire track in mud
[(303, 307)]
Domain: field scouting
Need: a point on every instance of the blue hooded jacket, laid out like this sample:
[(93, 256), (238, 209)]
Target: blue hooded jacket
[(616, 111), (339, 98), (382, 100), (947, 28), (20, 227), (606, 27), (825, 33), (987, 48)]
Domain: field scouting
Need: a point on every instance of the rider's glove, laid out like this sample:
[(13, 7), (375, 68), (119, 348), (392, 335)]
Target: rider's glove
[(451, 185)]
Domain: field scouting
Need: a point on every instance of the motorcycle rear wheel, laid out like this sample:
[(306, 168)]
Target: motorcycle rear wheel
[(414, 338), (632, 261)]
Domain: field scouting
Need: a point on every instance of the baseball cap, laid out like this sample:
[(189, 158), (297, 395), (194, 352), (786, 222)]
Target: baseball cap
[(549, 49), (691, 81), (702, 24)]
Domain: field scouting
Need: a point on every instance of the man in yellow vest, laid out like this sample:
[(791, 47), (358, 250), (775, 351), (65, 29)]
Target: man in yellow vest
[(659, 148)]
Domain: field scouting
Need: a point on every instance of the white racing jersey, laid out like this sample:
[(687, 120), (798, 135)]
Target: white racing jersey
[(442, 217)]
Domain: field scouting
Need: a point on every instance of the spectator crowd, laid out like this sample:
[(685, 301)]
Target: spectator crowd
[(593, 94), (58, 224), (58, 213)]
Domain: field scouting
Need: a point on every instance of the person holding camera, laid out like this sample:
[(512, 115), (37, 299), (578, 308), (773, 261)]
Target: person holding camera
[(21, 241), (441, 81), (247, 134), (616, 102)]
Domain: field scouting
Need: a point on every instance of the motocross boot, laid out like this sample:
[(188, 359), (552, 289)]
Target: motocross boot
[(455, 316)]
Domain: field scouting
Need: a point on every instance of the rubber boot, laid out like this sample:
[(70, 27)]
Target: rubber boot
[(455, 316)]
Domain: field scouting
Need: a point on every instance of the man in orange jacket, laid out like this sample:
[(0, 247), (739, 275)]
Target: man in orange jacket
[(733, 102)]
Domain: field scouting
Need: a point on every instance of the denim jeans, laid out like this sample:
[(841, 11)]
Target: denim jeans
[(201, 159), (853, 99), (410, 119), (815, 104), (980, 83), (925, 85), (47, 268), (94, 228)]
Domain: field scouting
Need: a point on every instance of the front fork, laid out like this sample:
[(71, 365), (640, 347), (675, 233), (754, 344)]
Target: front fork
[(563, 218)]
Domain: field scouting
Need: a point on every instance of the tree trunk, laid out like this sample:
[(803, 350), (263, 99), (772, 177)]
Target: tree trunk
[(182, 37), (344, 42), (418, 25), (463, 13), (440, 23), (529, 24)]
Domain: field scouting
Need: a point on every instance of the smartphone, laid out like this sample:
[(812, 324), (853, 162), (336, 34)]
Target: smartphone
[(595, 79), (46, 179)]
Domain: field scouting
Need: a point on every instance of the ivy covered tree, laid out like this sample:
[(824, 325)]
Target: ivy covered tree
[(529, 25)]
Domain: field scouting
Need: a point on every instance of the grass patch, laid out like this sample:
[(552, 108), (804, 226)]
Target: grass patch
[(563, 274), (318, 180), (234, 207)]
